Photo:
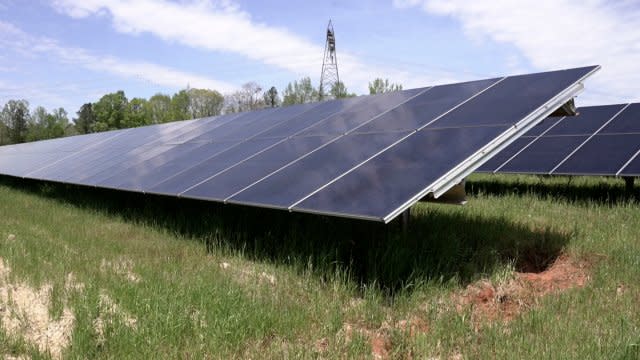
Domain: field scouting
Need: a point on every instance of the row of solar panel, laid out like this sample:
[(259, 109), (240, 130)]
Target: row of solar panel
[(363, 157), (601, 140)]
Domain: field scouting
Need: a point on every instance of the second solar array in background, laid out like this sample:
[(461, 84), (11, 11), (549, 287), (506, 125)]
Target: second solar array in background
[(601, 140)]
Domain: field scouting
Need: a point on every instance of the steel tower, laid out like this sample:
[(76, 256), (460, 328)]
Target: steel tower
[(329, 76)]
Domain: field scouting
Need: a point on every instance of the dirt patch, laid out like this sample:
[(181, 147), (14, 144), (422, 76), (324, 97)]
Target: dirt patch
[(122, 267), (380, 339), (505, 301), (109, 311), (24, 311)]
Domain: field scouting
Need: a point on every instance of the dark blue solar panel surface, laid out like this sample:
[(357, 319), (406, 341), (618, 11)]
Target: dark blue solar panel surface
[(320, 113), (633, 168), (541, 156), (587, 122), (144, 178), (518, 96), (601, 155), (247, 172), (627, 122), (365, 157), (176, 183), (284, 188), (601, 140), (544, 126), (383, 184), (506, 154), (361, 113), (427, 107)]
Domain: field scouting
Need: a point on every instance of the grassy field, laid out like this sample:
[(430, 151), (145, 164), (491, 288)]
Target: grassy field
[(530, 268)]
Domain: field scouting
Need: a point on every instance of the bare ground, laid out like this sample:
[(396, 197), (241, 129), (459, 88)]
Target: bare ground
[(505, 301), (488, 302), (25, 313)]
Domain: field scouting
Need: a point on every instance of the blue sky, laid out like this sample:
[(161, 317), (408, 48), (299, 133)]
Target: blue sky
[(68, 52)]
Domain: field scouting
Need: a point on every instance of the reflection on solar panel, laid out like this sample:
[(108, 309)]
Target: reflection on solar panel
[(601, 140), (367, 157)]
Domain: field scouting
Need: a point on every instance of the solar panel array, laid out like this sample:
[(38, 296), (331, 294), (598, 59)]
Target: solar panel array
[(365, 157), (601, 140)]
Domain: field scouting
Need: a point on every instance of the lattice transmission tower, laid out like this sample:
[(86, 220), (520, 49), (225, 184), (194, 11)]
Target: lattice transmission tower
[(329, 77)]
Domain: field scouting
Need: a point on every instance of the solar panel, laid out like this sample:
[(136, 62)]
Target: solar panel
[(601, 140), (632, 168), (366, 157)]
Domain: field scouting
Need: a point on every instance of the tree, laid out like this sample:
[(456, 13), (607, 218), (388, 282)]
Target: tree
[(137, 113), (204, 103), (15, 116), (159, 108), (86, 120), (55, 124), (271, 97), (70, 129), (300, 92), (233, 103), (37, 122), (245, 99), (4, 135), (44, 125), (251, 96), (111, 111), (379, 86), (180, 105), (339, 91)]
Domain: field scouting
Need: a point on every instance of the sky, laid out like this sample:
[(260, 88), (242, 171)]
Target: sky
[(63, 53)]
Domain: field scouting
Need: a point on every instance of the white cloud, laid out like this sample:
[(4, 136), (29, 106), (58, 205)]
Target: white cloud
[(222, 26), (555, 34), (27, 45)]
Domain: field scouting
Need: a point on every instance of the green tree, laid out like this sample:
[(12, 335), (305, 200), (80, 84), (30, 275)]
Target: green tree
[(111, 111), (204, 103), (86, 120), (4, 134), (137, 113), (379, 86), (339, 91), (70, 129), (300, 92), (271, 98), (15, 116), (55, 124), (159, 108), (37, 123), (180, 105), (44, 125)]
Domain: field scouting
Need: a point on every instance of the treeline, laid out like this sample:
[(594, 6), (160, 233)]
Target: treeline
[(115, 111)]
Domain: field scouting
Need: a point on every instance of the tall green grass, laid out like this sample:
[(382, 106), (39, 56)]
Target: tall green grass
[(328, 272)]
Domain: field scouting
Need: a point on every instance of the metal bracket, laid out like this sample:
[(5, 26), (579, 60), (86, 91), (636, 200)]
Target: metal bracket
[(456, 196), (568, 109)]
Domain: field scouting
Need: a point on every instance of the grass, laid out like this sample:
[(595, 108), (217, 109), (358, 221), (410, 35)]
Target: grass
[(209, 281)]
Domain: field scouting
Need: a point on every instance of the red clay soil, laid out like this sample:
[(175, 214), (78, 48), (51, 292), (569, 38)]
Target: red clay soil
[(488, 302), (505, 301)]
